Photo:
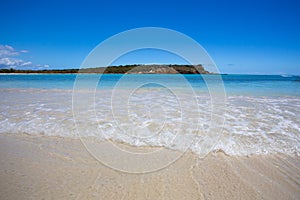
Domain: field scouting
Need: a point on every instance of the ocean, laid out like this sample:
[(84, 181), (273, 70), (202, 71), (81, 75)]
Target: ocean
[(236, 114)]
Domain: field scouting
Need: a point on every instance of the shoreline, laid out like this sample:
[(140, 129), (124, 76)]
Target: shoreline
[(61, 168), (126, 145)]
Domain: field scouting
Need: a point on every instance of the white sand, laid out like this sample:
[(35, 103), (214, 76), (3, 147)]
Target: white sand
[(39, 167)]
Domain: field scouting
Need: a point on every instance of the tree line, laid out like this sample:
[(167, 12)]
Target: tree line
[(121, 69)]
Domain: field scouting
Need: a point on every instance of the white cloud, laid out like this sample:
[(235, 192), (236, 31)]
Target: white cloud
[(24, 51), (10, 61), (7, 51), (42, 66), (9, 57), (26, 63)]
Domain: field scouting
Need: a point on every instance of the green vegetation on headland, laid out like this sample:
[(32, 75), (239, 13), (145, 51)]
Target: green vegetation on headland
[(122, 69)]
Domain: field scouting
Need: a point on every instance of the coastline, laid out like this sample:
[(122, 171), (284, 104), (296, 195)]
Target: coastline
[(61, 168), (104, 73)]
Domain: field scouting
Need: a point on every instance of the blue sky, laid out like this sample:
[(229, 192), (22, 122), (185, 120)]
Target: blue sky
[(261, 37)]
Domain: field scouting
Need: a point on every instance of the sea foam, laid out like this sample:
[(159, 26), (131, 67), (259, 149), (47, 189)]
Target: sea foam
[(155, 117)]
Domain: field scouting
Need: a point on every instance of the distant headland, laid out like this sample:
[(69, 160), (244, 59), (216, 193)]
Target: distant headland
[(121, 69)]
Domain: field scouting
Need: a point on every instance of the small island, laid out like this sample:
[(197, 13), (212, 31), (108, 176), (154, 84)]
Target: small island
[(121, 69)]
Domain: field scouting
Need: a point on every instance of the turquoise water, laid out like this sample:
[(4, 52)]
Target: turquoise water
[(261, 112), (234, 84)]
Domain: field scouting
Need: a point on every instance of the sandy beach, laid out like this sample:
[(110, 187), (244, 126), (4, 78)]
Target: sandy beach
[(42, 167), (150, 100)]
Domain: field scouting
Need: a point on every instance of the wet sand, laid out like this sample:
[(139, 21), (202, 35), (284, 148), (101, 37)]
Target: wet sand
[(40, 167)]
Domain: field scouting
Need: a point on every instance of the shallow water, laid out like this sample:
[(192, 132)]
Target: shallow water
[(258, 115)]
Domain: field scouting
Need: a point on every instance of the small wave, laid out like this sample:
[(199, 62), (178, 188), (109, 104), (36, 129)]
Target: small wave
[(286, 75), (254, 125)]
